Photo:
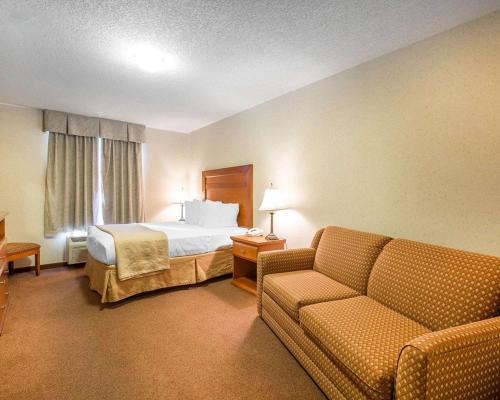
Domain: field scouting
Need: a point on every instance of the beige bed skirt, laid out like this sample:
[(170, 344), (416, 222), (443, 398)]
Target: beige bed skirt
[(183, 271)]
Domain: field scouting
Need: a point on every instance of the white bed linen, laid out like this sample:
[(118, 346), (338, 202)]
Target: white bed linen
[(183, 240)]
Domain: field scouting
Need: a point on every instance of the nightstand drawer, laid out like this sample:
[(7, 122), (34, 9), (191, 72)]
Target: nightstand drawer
[(245, 251)]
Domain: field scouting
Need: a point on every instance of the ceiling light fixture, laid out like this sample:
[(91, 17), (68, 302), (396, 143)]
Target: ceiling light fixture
[(151, 59)]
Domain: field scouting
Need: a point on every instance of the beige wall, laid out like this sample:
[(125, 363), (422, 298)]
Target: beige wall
[(23, 152), (407, 145), (166, 166), (23, 156)]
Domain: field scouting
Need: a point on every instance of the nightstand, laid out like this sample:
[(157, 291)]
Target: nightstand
[(245, 252)]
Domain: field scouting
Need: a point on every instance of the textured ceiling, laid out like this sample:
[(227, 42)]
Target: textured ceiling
[(230, 55)]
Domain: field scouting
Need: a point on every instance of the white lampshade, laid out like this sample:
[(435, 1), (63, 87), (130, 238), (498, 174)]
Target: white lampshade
[(272, 200), (180, 196)]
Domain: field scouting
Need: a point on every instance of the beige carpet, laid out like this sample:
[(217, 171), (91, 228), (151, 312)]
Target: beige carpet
[(205, 342)]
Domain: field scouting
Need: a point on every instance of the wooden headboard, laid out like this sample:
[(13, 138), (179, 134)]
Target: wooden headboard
[(231, 185)]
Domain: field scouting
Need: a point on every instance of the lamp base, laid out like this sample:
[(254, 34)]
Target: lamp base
[(182, 219), (272, 236)]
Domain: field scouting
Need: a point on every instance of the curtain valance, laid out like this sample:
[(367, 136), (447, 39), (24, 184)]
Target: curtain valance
[(116, 130), (55, 121), (136, 133), (80, 125)]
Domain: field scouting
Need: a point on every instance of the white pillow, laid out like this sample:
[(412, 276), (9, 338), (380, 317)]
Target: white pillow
[(193, 209), (211, 201), (219, 215), (208, 214), (230, 214)]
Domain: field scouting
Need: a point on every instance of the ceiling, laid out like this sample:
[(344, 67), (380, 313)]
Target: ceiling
[(227, 55)]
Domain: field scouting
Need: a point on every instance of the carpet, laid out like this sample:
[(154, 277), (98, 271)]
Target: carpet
[(203, 342)]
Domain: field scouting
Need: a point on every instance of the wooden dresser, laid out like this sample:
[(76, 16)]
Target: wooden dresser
[(4, 276)]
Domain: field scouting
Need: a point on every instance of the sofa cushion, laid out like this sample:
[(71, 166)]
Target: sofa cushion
[(348, 256), (292, 290), (436, 286), (362, 336)]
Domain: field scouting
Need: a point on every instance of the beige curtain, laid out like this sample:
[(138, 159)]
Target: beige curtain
[(122, 182), (71, 183)]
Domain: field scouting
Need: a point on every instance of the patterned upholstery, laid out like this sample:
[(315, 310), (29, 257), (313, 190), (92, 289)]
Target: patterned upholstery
[(292, 290), (348, 256), (317, 238), (362, 336), (381, 346), (313, 359), (281, 261), (456, 363), (436, 286)]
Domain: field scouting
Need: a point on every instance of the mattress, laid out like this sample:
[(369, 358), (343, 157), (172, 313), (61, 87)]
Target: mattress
[(183, 240)]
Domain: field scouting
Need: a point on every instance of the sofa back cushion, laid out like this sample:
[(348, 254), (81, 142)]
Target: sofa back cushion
[(348, 256), (436, 286)]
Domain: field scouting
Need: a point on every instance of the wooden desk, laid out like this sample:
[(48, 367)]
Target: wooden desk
[(245, 252), (4, 278)]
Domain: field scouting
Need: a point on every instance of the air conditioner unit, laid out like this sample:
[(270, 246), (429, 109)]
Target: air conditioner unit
[(77, 250)]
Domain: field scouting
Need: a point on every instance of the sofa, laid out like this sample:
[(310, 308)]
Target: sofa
[(371, 317)]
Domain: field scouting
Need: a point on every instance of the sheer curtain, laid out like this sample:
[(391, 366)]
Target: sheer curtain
[(71, 183)]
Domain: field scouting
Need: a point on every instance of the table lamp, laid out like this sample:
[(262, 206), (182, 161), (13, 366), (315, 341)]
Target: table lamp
[(181, 198), (272, 202)]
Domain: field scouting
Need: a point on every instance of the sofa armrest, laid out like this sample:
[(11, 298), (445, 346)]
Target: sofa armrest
[(460, 362), (271, 262), (317, 238)]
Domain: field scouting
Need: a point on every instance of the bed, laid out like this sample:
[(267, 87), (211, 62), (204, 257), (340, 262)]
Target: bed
[(196, 253)]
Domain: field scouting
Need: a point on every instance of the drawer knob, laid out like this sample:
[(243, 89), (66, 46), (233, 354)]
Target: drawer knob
[(2, 282), (3, 307)]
